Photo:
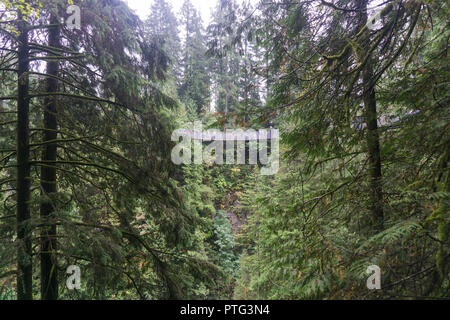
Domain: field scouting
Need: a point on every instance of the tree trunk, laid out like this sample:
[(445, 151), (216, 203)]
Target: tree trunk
[(370, 111), (49, 283), (24, 231)]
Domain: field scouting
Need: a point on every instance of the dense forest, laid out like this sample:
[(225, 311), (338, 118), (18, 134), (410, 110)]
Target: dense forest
[(92, 97)]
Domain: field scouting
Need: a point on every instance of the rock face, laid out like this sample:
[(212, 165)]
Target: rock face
[(236, 221), (236, 217)]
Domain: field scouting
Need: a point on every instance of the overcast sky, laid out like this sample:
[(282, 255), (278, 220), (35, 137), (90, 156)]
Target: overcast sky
[(142, 7)]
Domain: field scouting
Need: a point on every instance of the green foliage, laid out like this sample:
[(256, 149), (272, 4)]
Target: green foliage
[(364, 174), (310, 234), (224, 242)]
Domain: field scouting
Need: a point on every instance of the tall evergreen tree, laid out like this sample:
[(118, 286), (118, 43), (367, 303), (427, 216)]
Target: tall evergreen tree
[(194, 90), (163, 25), (24, 230), (49, 269)]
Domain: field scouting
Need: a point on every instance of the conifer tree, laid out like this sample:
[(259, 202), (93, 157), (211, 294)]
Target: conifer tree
[(194, 90)]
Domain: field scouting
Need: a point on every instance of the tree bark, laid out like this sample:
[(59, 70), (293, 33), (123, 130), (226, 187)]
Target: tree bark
[(372, 136), (24, 231), (49, 283)]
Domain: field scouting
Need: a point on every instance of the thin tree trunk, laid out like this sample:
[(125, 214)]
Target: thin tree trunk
[(49, 283), (226, 98), (373, 139), (24, 231)]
